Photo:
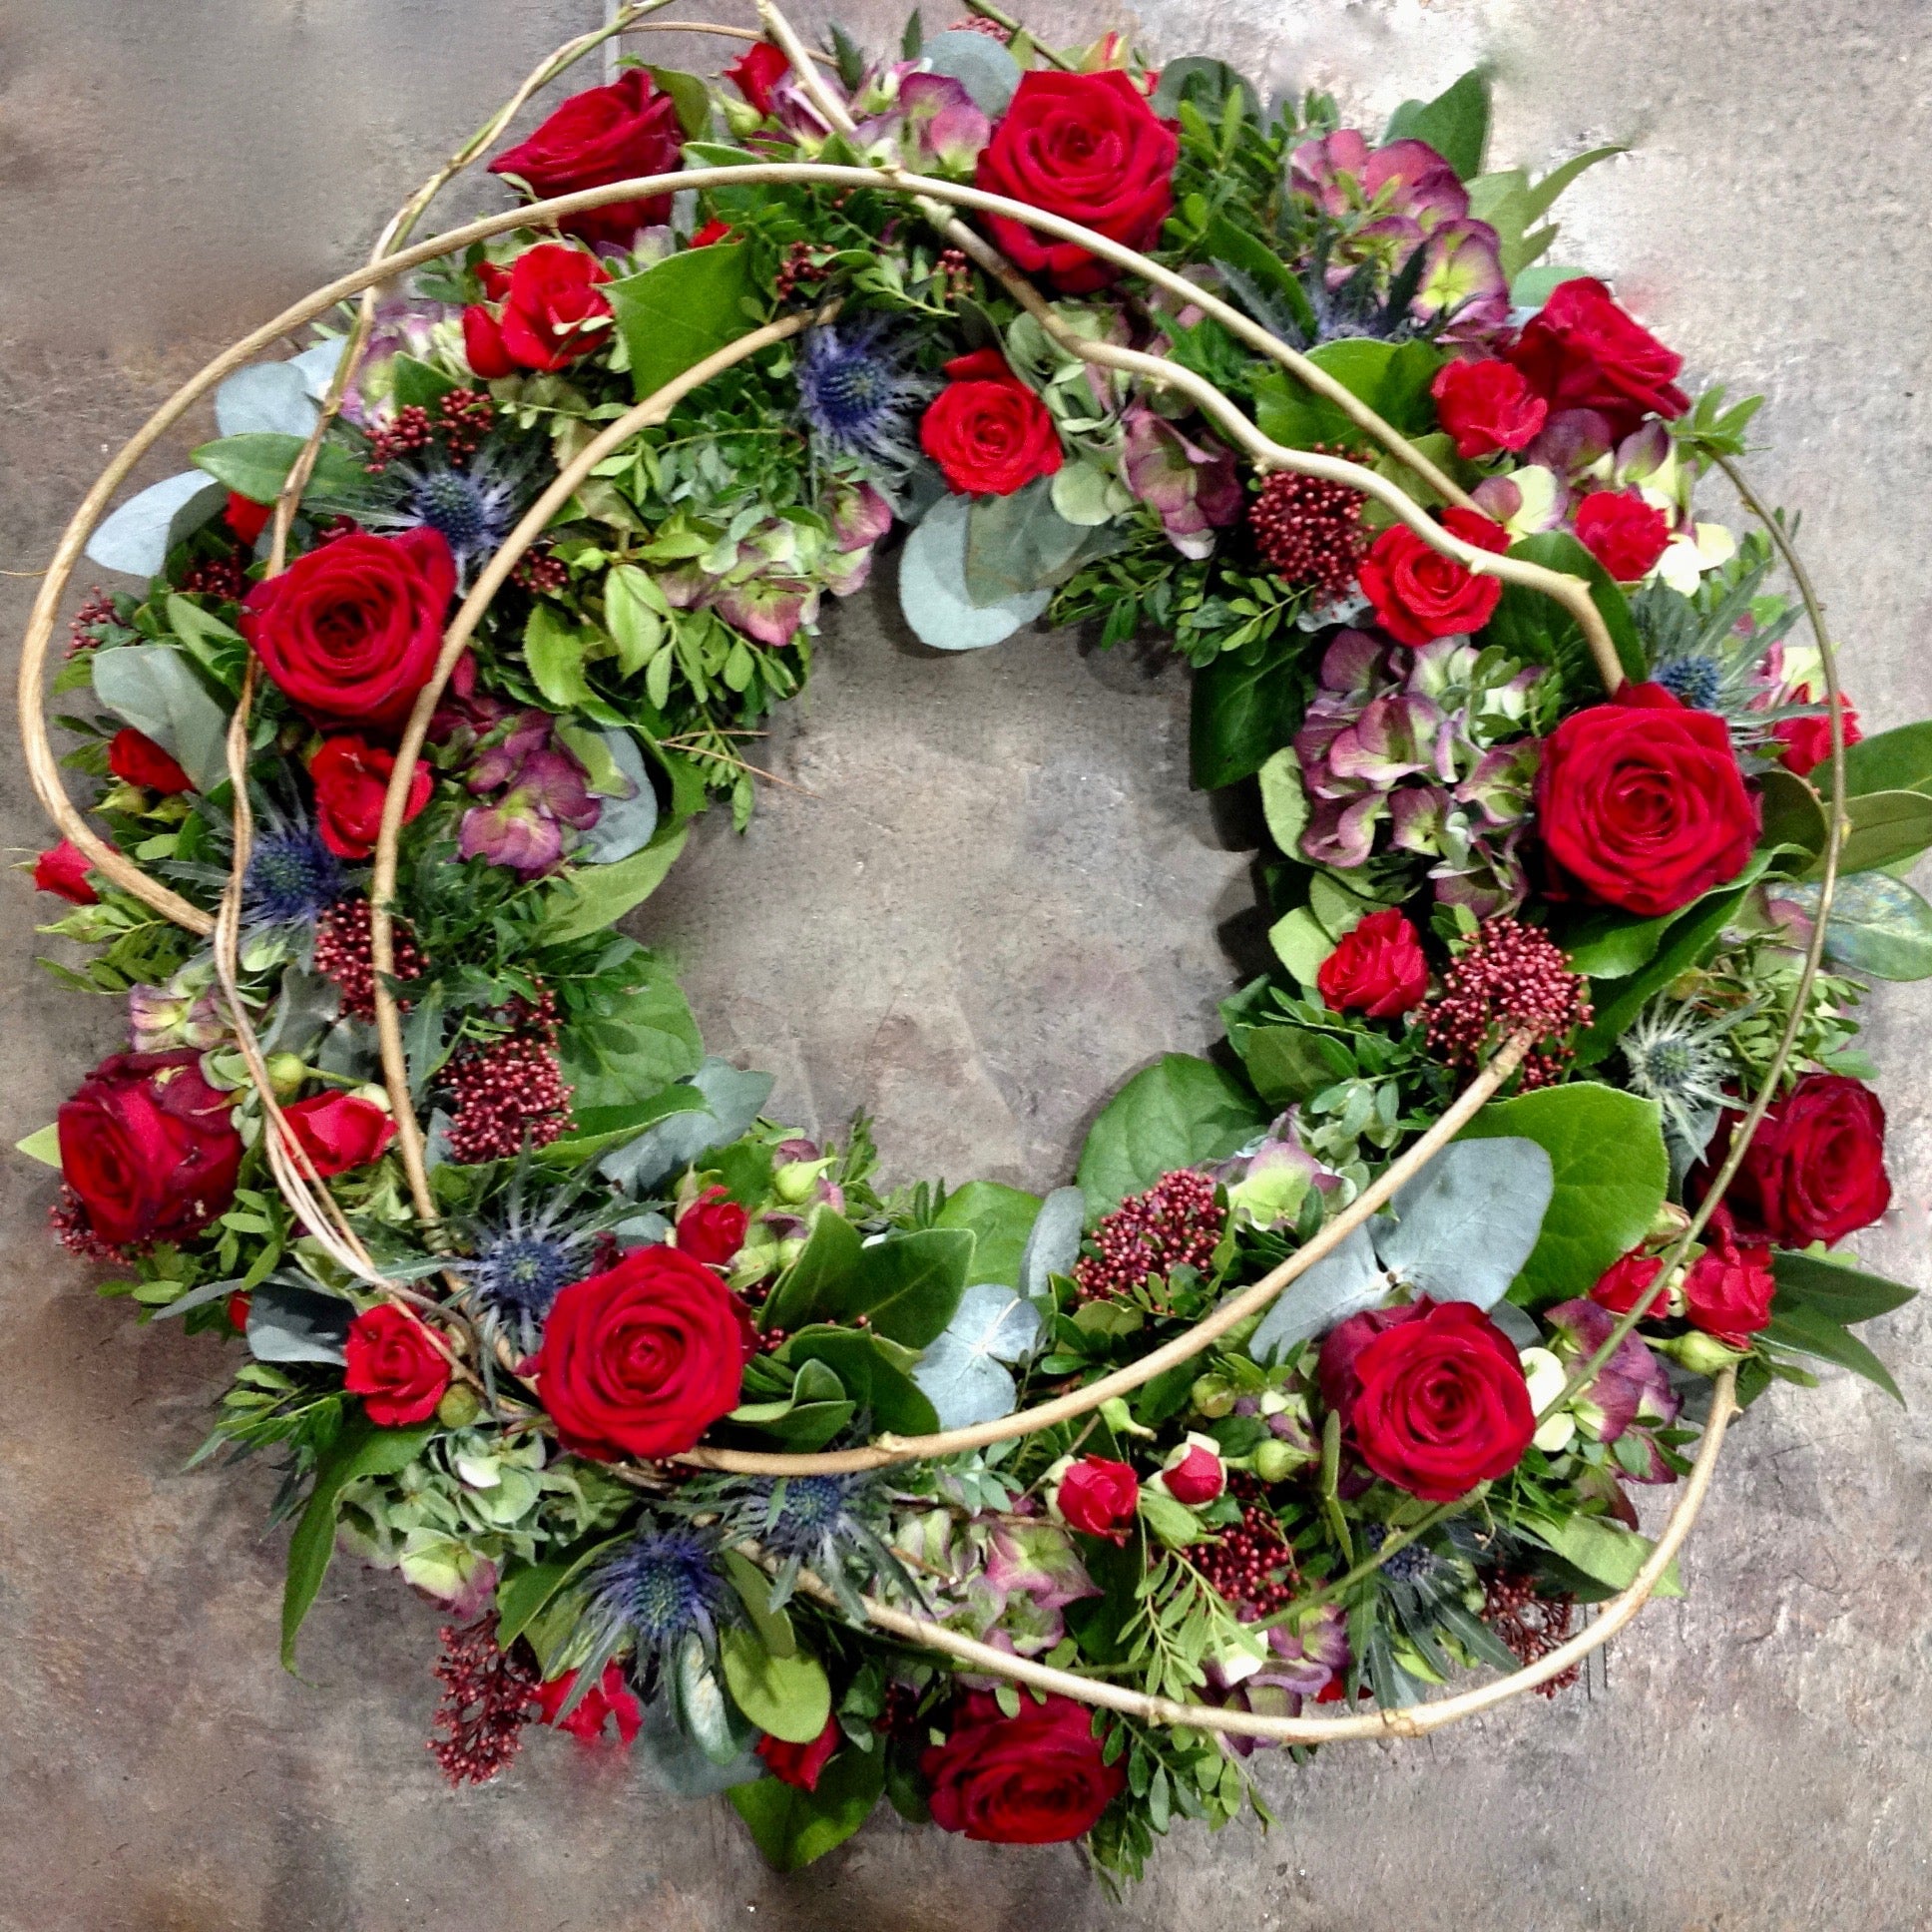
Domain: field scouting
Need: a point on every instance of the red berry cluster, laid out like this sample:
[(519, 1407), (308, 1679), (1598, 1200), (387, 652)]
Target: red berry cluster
[(508, 1093), (75, 1232), (489, 1696), (84, 626), (1508, 977), (977, 23), (1175, 1223), (461, 419), (1531, 1626), (1252, 1566), (798, 271), (225, 579), (956, 271), (343, 954), (541, 573), (410, 431), (1310, 531)]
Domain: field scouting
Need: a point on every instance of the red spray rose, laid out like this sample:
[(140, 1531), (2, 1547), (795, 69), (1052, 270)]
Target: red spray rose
[(62, 870), (246, 517), (1729, 1292), (1623, 532), (988, 432), (605, 134), (1034, 1779), (609, 1700), (552, 313), (483, 346), (641, 1360), (1623, 1283), (341, 1131), (1433, 1395), (150, 1147), (352, 778), (756, 72), (1099, 1497), (1641, 804), (1487, 406), (1584, 352), (395, 1366), (135, 758), (350, 632), (712, 1228), (1418, 593), (1087, 147), (1808, 740), (1816, 1167), (800, 1764), (1377, 968), (1193, 1473)]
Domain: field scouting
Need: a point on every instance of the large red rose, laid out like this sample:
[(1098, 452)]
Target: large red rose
[(1623, 532), (135, 758), (641, 1360), (1087, 147), (1034, 1779), (988, 432), (339, 1131), (552, 313), (1432, 1394), (605, 134), (1487, 406), (1816, 1167), (350, 632), (150, 1147), (1377, 968), (1641, 804), (394, 1365), (1418, 593), (62, 870), (352, 778), (1581, 352)]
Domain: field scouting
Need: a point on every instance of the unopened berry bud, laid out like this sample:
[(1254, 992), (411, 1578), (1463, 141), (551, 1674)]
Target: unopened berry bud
[(286, 1072), (1212, 1396), (460, 1406)]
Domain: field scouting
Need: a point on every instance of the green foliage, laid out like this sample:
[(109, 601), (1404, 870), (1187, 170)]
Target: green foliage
[(792, 1826), (1176, 1114), (679, 310), (1455, 124)]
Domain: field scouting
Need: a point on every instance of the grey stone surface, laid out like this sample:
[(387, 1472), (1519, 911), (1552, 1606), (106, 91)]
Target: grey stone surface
[(996, 900)]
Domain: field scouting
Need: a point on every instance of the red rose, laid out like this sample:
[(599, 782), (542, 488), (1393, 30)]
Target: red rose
[(1641, 804), (135, 758), (351, 631), (1418, 593), (606, 134), (1583, 353), (710, 234), (1433, 1395), (395, 1366), (352, 778), (1816, 1167), (641, 1360), (1099, 1498), (246, 517), (1034, 1779), (1378, 967), (712, 1228), (1623, 1283), (1087, 147), (551, 313), (756, 72), (800, 1764), (150, 1147), (610, 1700), (62, 870), (341, 1131), (1727, 1293), (1623, 532), (1487, 406), (1808, 740), (1194, 1473), (988, 432), (237, 1306), (483, 346)]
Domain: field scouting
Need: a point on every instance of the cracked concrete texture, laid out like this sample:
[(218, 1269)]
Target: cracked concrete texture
[(997, 900)]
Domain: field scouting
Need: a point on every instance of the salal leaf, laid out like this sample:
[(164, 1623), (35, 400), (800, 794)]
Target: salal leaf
[(1179, 1112), (1001, 1220), (256, 465), (908, 1286), (732, 1101), (1462, 1229), (599, 895), (1604, 1550), (680, 310), (1896, 761), (815, 1288), (1885, 828), (788, 1697), (1455, 124), (791, 1826), (1284, 801), (874, 1373), (1345, 1283)]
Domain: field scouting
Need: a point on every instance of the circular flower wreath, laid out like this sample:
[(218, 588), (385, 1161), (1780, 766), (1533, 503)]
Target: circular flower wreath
[(1332, 1375)]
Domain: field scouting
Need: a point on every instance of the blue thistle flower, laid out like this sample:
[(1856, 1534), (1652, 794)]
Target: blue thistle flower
[(857, 391), (1692, 681), (1675, 1054), (474, 508), (832, 1525), (661, 1588), (292, 877)]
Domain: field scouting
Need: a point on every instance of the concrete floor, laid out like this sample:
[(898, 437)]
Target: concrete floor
[(998, 901)]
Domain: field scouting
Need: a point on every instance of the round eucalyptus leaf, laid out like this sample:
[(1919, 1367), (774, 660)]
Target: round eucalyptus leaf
[(932, 586), (138, 536), (271, 397), (980, 64)]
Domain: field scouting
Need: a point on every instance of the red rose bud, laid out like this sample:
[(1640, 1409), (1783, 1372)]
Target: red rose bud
[(756, 72), (1623, 1285), (553, 312), (237, 1306), (1377, 969), (1728, 1293), (1418, 593), (1193, 1474), (62, 870), (1808, 740), (351, 631), (1432, 1395), (800, 1764), (609, 1700), (1087, 147), (711, 1229), (150, 1147), (711, 232), (1641, 804), (135, 758), (483, 346), (1487, 406), (988, 432), (352, 778), (1583, 353), (1034, 1779), (604, 135), (246, 518), (1098, 1498), (641, 1360), (394, 1365), (1623, 532), (339, 1131), (1816, 1167)]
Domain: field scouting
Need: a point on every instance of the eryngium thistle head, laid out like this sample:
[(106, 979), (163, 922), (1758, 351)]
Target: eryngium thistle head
[(1675, 1054), (292, 877), (856, 390), (660, 1586)]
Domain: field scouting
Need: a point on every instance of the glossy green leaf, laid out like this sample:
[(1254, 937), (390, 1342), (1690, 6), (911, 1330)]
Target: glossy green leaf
[(1176, 1114), (815, 1288), (417, 384), (1885, 828), (866, 1364), (1538, 630), (1455, 124), (999, 1220), (1289, 1063), (526, 1589), (1811, 1331), (1245, 705), (1794, 817), (1843, 1292), (908, 1286), (680, 310), (1606, 1551), (1894, 760), (597, 896), (754, 1589), (788, 1697), (791, 1826), (257, 465), (1619, 1002)]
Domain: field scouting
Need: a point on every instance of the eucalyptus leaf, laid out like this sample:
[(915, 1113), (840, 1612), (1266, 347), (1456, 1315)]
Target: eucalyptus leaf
[(318, 365), (623, 825), (270, 396), (1879, 925), (677, 1763), (961, 1371), (731, 1099), (198, 1297), (305, 1008), (933, 596), (1053, 1246), (1345, 1283), (294, 1325), (1462, 1229), (138, 536), (980, 64), (1020, 543), (152, 687)]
